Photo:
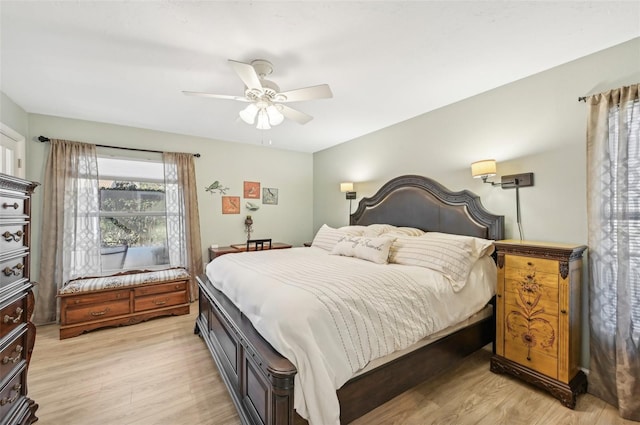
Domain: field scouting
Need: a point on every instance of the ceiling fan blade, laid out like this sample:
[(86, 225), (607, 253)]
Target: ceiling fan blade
[(308, 93), (216, 96), (247, 74), (294, 115)]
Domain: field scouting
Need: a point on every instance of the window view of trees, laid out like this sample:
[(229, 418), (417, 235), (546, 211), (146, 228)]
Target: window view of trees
[(132, 213)]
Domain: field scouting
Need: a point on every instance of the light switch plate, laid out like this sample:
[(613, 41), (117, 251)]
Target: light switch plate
[(524, 180)]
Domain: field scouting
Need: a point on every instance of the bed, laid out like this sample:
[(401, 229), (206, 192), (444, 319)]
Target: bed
[(261, 381)]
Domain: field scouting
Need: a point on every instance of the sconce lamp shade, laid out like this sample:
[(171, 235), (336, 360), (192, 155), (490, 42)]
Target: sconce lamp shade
[(346, 187), (483, 169)]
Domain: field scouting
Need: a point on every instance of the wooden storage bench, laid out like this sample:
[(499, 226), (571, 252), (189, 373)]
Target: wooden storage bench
[(122, 299)]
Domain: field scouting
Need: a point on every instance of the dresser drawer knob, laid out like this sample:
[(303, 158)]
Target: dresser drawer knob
[(14, 205), (528, 358), (161, 302), (16, 388), (10, 319), (563, 311), (8, 236), (15, 359), (15, 270)]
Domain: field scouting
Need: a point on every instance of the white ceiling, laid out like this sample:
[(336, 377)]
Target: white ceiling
[(126, 62)]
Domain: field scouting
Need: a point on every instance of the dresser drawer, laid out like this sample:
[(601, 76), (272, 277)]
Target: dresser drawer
[(533, 359), (530, 263), (13, 270), (11, 206), (96, 312), (12, 316), (10, 394), (160, 288), (82, 299), (167, 299), (13, 354), (12, 237)]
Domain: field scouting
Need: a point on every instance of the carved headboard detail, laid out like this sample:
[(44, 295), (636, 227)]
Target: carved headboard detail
[(417, 201)]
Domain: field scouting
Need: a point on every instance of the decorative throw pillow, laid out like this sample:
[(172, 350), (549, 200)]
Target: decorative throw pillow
[(365, 248), (327, 237), (353, 230)]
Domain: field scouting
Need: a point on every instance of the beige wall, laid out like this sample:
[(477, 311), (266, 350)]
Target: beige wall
[(13, 115), (231, 163), (532, 125)]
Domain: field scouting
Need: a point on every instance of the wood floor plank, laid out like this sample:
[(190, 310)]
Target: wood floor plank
[(159, 373)]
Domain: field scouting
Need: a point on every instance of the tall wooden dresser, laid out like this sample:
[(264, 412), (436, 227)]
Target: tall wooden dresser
[(538, 316), (17, 333)]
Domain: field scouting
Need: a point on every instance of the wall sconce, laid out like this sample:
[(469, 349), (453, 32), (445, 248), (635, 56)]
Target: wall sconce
[(350, 194), (487, 168)]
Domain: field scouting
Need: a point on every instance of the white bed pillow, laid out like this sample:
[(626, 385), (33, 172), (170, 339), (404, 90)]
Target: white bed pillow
[(364, 248), (353, 230), (327, 237), (374, 230), (405, 231), (451, 255)]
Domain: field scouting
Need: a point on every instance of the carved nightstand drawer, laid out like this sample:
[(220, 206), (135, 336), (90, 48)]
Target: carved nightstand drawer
[(529, 263), (533, 359), (97, 311)]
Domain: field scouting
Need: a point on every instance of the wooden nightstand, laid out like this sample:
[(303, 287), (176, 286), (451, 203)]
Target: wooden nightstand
[(235, 248), (538, 316)]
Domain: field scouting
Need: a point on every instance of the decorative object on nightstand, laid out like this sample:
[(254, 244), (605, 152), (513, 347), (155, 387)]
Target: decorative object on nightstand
[(17, 333), (248, 226), (538, 316), (487, 168)]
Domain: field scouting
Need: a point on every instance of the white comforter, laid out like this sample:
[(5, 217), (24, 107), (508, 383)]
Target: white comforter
[(331, 315)]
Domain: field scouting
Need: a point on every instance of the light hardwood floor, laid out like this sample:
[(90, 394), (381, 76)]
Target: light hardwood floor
[(160, 373)]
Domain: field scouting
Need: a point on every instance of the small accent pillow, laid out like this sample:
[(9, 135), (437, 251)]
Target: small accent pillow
[(364, 248), (327, 237), (451, 255)]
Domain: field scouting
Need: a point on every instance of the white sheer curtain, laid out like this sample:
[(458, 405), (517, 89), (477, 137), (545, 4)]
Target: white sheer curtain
[(70, 245), (613, 204), (183, 222)]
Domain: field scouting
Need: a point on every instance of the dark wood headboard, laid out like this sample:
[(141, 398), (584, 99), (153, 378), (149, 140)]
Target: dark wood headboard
[(416, 201)]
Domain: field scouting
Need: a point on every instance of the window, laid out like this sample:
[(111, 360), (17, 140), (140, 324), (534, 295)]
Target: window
[(133, 218), (625, 209)]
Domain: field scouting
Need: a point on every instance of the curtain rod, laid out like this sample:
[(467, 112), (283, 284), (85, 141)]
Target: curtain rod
[(46, 139)]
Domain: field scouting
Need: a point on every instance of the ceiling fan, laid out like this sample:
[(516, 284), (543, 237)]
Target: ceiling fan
[(266, 101)]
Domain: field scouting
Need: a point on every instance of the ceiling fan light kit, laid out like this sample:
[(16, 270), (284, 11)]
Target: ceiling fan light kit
[(264, 96)]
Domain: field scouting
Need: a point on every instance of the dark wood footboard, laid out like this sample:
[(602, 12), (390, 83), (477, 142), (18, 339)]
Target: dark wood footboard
[(261, 381)]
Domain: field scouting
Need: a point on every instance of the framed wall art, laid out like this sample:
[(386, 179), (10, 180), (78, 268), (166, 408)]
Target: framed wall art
[(270, 196), (230, 205), (252, 190)]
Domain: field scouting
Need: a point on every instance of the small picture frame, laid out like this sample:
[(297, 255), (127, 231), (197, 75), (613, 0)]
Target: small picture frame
[(270, 196), (252, 190), (230, 205)]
